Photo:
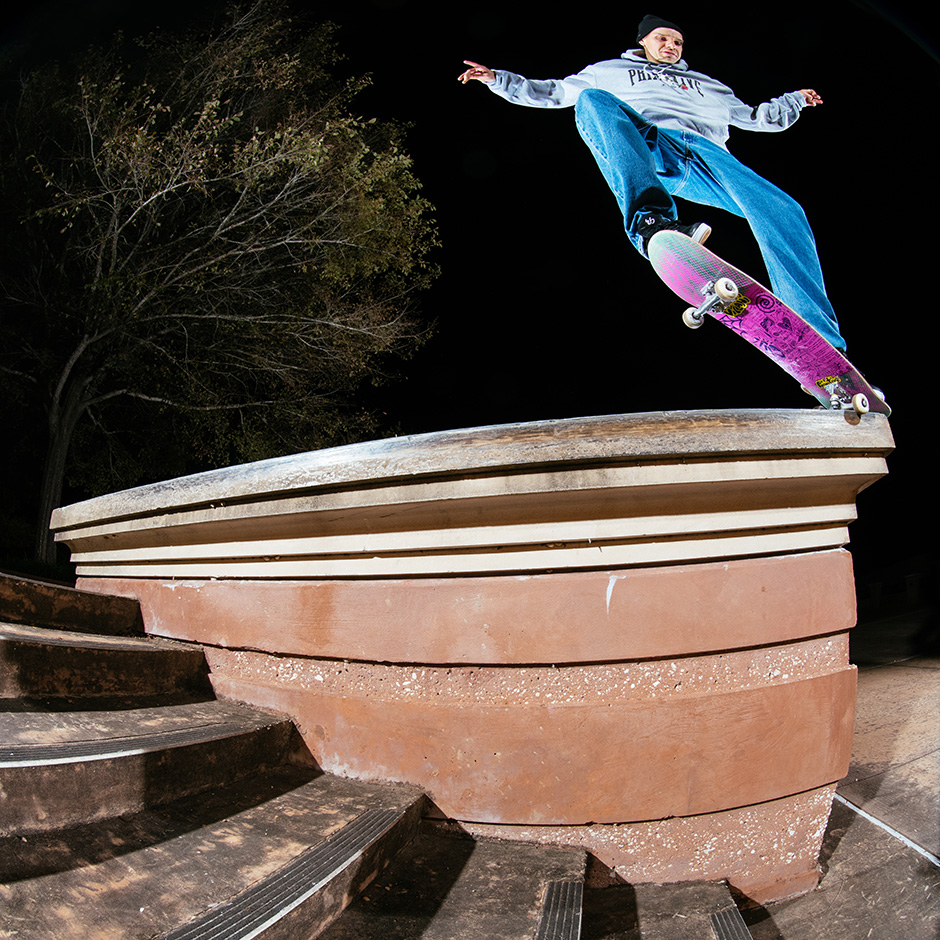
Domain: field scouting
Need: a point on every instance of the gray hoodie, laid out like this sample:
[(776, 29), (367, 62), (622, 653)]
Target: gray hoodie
[(670, 96)]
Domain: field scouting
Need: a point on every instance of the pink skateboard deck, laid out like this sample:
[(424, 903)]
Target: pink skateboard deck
[(699, 277)]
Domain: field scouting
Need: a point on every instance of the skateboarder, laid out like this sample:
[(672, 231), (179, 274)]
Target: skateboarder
[(658, 130)]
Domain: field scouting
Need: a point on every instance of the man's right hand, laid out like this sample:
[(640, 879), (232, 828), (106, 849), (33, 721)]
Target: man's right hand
[(477, 73)]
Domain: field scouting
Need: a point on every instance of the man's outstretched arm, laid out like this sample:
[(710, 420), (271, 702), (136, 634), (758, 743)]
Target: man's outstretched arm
[(775, 115), (533, 93)]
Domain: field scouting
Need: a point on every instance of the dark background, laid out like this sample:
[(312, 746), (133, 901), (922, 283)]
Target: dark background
[(543, 308)]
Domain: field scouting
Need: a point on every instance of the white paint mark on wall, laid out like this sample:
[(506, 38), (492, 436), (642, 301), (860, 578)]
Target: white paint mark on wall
[(610, 590)]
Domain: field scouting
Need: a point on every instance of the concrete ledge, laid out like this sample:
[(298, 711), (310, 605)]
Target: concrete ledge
[(585, 493), (614, 622), (574, 744), (562, 617), (639, 437)]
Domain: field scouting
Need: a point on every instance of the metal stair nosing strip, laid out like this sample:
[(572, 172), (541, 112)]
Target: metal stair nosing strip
[(256, 908), (728, 924), (561, 911), (32, 755)]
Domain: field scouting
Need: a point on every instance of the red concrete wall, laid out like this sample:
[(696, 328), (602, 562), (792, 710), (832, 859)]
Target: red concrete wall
[(570, 703), (566, 617), (581, 762)]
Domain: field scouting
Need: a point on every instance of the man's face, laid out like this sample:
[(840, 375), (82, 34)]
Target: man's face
[(663, 45)]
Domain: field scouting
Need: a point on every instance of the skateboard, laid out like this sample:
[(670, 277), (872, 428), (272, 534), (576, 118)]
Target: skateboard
[(733, 298)]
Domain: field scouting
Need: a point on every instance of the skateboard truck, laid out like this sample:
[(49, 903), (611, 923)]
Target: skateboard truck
[(839, 398), (718, 295), (858, 402)]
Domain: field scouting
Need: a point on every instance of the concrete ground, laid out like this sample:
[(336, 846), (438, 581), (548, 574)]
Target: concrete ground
[(881, 855)]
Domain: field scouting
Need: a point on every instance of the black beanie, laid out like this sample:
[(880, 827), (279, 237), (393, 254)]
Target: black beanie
[(649, 23)]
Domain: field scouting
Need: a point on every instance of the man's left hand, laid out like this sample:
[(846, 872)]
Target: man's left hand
[(812, 98)]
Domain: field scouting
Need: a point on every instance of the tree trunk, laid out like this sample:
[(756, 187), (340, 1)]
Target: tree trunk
[(50, 494), (63, 417)]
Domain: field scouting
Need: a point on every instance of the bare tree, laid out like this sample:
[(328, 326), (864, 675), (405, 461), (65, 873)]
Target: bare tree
[(205, 230)]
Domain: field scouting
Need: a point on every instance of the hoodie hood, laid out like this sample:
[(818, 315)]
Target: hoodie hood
[(638, 57)]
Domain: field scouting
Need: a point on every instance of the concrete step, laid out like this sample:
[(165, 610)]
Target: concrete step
[(683, 911), (445, 886), (49, 604), (60, 769), (124, 782), (48, 665), (448, 886), (275, 856)]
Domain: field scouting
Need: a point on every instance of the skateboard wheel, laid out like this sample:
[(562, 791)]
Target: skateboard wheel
[(860, 403), (692, 318), (726, 289)]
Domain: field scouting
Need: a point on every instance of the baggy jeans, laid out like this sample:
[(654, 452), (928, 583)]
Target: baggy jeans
[(646, 166)]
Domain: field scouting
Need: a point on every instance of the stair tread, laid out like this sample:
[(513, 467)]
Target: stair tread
[(44, 733), (444, 887), (60, 667), (27, 600), (705, 910), (155, 870), (51, 636)]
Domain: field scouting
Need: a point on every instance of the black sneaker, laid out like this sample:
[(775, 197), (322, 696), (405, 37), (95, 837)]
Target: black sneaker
[(651, 224)]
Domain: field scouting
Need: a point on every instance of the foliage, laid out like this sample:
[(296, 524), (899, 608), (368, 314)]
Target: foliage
[(213, 253)]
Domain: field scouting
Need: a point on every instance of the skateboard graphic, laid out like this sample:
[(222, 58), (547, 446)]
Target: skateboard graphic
[(733, 298)]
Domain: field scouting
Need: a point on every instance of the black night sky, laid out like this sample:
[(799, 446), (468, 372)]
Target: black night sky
[(543, 308)]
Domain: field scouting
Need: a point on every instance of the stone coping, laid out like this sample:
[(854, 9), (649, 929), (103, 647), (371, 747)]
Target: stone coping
[(599, 440)]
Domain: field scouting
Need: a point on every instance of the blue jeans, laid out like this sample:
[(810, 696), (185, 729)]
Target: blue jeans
[(646, 166)]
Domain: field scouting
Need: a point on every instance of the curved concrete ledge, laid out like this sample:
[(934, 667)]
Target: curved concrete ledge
[(583, 493), (609, 438), (573, 745), (591, 630), (551, 618)]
